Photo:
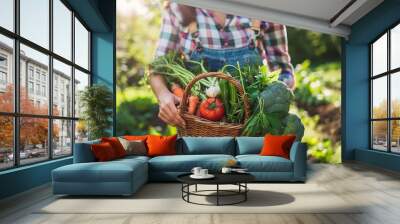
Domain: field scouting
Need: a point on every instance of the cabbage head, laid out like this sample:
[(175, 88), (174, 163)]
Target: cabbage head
[(294, 126), (277, 98)]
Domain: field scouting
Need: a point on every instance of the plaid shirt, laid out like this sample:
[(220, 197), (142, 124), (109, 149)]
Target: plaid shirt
[(236, 33)]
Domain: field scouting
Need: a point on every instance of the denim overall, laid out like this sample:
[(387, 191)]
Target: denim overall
[(215, 59)]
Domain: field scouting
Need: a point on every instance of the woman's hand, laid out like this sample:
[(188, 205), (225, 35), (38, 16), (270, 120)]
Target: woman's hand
[(168, 110)]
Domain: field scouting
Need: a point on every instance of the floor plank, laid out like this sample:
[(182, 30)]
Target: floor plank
[(377, 190)]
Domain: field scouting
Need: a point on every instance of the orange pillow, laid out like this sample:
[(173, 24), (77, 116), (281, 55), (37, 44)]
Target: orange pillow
[(116, 145), (161, 145), (135, 137), (277, 145), (103, 151)]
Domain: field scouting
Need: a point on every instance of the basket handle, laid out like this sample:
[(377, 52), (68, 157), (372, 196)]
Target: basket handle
[(220, 75)]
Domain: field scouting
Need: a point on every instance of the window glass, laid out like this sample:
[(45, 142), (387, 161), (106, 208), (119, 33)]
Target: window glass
[(379, 56), (395, 94), (62, 89), (34, 21), (395, 136), (6, 74), (81, 82), (379, 135), (81, 45), (30, 58), (33, 140), (395, 47), (62, 29), (7, 14), (379, 97), (81, 131), (62, 138), (6, 142)]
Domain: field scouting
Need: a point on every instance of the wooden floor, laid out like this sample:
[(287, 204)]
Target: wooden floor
[(377, 188)]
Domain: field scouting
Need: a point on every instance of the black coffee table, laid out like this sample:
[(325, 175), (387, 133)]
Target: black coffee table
[(238, 179)]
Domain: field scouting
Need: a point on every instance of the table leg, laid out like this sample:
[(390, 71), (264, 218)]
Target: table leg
[(217, 194), (245, 193), (195, 188), (188, 189)]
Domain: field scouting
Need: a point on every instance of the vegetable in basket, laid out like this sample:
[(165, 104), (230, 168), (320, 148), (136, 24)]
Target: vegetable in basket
[(212, 109), (293, 125), (277, 98)]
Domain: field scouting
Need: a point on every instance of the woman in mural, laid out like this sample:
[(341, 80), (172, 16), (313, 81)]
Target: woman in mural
[(217, 39)]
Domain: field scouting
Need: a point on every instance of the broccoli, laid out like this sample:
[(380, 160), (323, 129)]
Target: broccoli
[(294, 126), (277, 98)]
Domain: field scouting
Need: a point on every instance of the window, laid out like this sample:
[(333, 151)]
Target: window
[(6, 73), (385, 95), (7, 14), (35, 21), (81, 45), (37, 89), (44, 91), (30, 72), (62, 74), (3, 61), (38, 74), (62, 29), (46, 75), (3, 78), (30, 87)]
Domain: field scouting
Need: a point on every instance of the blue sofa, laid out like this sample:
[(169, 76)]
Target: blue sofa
[(125, 176)]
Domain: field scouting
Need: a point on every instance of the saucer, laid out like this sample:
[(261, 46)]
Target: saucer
[(208, 176)]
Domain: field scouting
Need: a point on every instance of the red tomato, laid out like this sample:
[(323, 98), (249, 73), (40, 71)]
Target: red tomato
[(212, 109)]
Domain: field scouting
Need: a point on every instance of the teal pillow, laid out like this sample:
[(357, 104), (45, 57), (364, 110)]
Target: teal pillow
[(249, 145), (207, 145)]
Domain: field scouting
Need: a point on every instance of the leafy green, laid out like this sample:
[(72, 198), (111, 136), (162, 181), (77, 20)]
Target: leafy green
[(277, 98), (293, 125)]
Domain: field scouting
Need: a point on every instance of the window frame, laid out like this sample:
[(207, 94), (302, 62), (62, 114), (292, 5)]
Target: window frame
[(16, 115), (388, 74)]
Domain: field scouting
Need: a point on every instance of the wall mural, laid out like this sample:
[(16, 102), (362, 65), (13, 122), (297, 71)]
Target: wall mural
[(200, 72)]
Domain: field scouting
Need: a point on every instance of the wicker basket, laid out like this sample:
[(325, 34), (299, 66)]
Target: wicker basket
[(197, 126)]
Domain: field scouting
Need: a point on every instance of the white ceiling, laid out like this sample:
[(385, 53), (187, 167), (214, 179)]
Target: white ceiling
[(324, 16)]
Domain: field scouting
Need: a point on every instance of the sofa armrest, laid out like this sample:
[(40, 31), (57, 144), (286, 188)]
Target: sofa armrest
[(298, 155), (83, 152)]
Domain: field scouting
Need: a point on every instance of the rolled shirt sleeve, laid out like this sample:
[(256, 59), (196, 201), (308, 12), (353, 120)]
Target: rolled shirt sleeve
[(168, 40), (277, 52)]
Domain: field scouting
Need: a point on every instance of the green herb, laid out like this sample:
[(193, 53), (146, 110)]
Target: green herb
[(258, 122)]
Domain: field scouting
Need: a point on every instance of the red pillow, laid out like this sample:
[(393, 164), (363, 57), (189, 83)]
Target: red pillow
[(277, 145), (161, 145), (103, 152), (135, 137), (116, 145)]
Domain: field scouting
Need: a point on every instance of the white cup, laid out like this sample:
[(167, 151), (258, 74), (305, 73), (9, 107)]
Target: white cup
[(203, 172), (196, 171), (226, 170)]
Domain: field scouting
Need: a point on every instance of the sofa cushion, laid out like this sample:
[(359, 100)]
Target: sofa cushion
[(134, 147), (83, 152), (207, 145), (116, 145), (277, 145), (249, 145), (257, 163), (103, 152), (185, 163), (161, 145), (113, 171)]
